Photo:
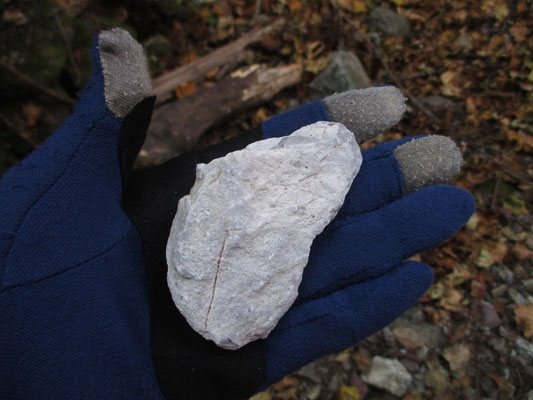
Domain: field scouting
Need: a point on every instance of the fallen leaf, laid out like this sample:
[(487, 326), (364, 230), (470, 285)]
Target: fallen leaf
[(32, 112), (349, 393), (521, 252), (317, 65), (185, 89), (355, 6), (519, 31), (451, 300), (460, 274), (212, 73), (295, 5), (523, 315), (503, 384), (450, 84), (491, 254), (496, 8), (523, 141), (516, 205)]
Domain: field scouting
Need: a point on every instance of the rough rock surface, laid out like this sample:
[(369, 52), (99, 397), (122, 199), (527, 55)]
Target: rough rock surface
[(389, 374), (241, 238), (389, 22), (344, 72)]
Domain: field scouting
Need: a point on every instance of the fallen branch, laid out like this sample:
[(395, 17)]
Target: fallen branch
[(375, 49), (177, 126), (31, 82), (196, 70)]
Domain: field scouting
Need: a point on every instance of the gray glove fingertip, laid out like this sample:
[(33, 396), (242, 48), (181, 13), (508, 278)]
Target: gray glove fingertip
[(125, 69), (427, 161), (367, 112)]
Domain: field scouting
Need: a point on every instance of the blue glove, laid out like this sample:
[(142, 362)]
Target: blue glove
[(84, 308)]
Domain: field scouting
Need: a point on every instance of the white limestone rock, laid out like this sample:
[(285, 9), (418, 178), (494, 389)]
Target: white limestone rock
[(240, 240)]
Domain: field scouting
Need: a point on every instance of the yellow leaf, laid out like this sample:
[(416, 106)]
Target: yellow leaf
[(400, 2), (496, 8), (355, 6), (523, 315), (516, 205), (446, 77), (349, 393), (316, 66)]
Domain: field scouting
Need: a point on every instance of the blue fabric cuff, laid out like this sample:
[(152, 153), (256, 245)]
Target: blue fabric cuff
[(286, 123)]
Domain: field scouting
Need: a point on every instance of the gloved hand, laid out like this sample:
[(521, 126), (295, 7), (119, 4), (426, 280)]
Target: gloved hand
[(85, 312)]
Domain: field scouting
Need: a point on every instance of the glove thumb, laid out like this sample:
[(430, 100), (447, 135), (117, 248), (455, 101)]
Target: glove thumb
[(74, 182)]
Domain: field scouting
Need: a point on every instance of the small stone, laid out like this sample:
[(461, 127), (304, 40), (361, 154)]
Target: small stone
[(489, 316), (388, 22), (529, 241), (504, 273), (499, 291), (313, 393), (437, 379), (457, 356), (344, 72), (310, 372), (516, 296), (241, 238), (525, 349), (528, 283), (412, 366), (442, 106), (388, 336), (390, 375), (413, 334)]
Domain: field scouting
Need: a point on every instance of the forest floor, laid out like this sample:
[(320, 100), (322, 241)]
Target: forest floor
[(467, 69)]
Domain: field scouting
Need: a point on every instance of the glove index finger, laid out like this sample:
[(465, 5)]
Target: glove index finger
[(365, 112)]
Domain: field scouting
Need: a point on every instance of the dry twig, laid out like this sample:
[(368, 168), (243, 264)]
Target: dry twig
[(38, 86)]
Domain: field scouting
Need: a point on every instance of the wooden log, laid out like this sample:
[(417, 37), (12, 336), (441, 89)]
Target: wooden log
[(177, 126), (195, 71)]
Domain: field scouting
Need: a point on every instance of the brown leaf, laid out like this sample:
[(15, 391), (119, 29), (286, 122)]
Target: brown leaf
[(185, 90), (519, 31), (523, 315), (451, 300), (522, 252), (32, 112), (503, 385), (523, 141)]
